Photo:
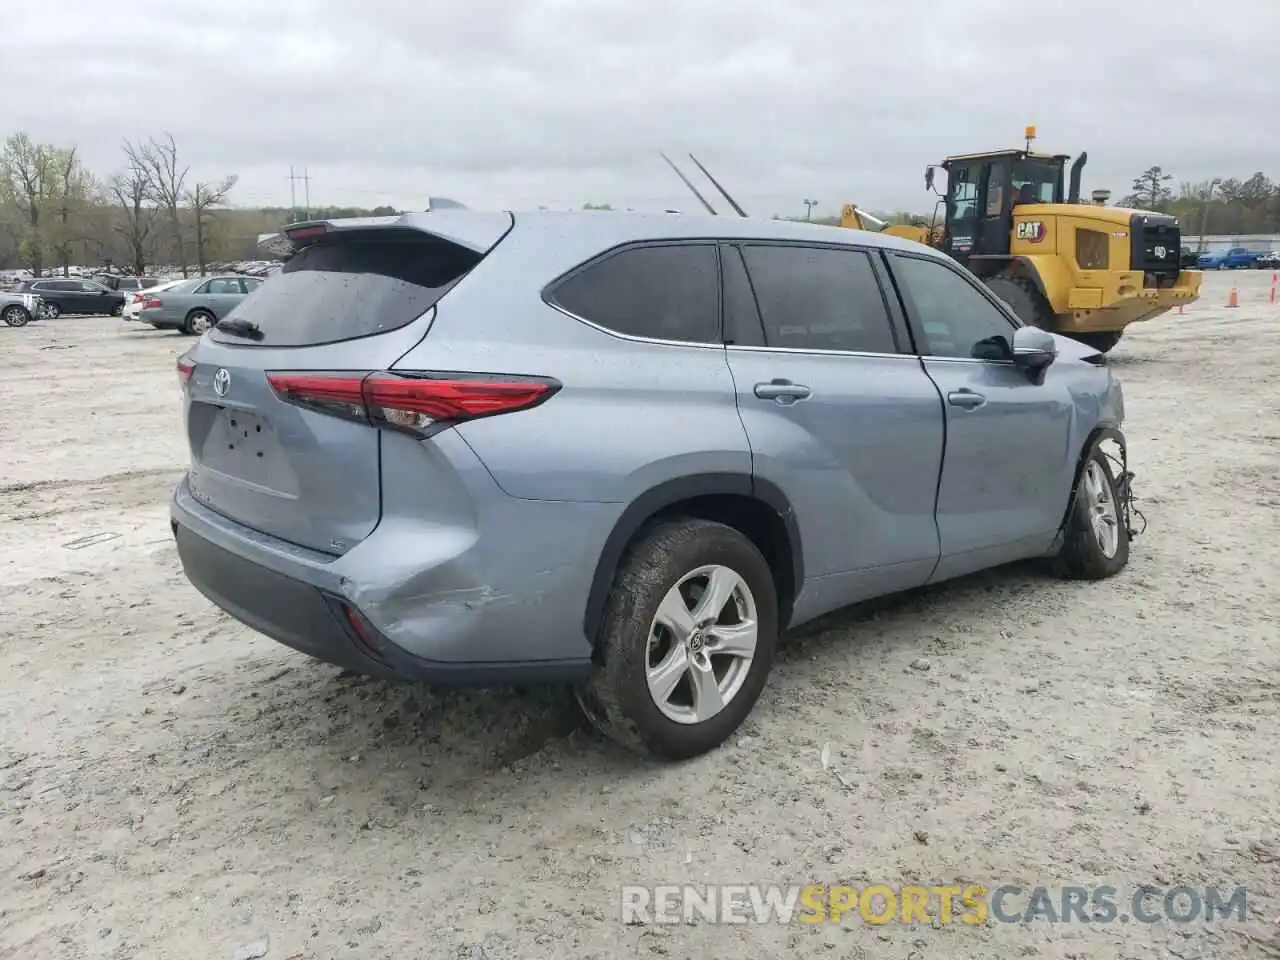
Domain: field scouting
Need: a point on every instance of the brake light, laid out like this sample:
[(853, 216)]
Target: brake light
[(186, 369), (307, 233), (138, 298), (413, 402), (151, 303)]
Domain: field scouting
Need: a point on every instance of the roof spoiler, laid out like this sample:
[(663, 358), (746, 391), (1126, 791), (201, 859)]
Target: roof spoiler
[(714, 182)]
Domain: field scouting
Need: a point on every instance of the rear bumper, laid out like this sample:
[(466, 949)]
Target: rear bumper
[(411, 621)]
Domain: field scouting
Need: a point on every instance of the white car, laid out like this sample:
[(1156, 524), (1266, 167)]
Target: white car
[(133, 306)]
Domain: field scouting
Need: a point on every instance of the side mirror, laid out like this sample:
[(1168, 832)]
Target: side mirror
[(928, 177), (1033, 350)]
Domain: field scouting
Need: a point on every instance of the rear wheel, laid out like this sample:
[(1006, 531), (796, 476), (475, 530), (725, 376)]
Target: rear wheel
[(198, 321), (687, 640), (1023, 296), (16, 315)]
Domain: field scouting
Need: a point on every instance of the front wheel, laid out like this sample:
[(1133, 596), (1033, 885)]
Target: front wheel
[(687, 640), (198, 321), (117, 310), (1096, 542), (16, 315), (52, 311)]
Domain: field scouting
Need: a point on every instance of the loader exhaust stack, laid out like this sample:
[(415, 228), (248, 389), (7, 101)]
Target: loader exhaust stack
[(1073, 194)]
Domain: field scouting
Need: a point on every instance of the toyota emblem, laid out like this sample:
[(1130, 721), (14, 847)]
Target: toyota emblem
[(221, 382)]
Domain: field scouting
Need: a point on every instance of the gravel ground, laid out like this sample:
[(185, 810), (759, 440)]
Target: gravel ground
[(173, 785)]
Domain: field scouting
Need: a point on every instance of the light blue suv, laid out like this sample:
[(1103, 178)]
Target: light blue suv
[(624, 452)]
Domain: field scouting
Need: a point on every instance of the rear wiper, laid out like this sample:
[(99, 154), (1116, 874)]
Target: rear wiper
[(240, 328)]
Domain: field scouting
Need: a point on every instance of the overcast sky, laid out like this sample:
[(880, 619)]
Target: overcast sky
[(518, 103)]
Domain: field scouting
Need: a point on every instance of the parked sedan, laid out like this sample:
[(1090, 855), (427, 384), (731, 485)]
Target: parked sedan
[(75, 296), (133, 308), (193, 306)]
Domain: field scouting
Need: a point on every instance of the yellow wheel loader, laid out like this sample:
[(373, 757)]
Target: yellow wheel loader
[(1085, 270)]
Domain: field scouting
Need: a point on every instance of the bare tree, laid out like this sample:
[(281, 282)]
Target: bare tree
[(27, 175), (166, 182), (201, 198), (130, 190), (74, 190)]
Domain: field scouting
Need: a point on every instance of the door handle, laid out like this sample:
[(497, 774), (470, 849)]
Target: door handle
[(782, 391), (966, 398)]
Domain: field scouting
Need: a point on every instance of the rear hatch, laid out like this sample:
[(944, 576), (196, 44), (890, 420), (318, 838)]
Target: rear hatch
[(352, 299)]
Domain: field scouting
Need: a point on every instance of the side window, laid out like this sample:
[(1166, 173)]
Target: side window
[(250, 284), (87, 286), (955, 319), (666, 292), (819, 298), (224, 286), (206, 287)]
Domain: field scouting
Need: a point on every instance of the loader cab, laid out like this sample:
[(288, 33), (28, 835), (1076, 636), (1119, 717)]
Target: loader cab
[(982, 191)]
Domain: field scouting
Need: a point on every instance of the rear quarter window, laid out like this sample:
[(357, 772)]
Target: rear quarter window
[(658, 292), (352, 284)]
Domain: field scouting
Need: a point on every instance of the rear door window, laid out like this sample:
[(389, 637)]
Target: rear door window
[(819, 298), (350, 284), (658, 292)]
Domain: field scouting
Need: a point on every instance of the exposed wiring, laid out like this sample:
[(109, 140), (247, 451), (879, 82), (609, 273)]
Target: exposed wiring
[(1124, 492)]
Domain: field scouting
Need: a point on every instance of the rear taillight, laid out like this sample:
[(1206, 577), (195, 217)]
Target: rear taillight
[(186, 369), (416, 403), (139, 298), (151, 303)]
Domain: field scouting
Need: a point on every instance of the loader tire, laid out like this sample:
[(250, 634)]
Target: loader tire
[(1027, 302)]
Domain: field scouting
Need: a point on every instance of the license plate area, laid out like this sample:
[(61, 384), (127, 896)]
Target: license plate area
[(240, 444)]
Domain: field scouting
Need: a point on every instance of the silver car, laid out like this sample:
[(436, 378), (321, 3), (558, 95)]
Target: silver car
[(625, 451), (195, 305), (19, 309)]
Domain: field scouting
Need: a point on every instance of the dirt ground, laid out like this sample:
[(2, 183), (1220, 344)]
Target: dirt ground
[(174, 785)]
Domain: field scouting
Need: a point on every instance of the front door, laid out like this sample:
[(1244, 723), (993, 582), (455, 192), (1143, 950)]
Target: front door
[(995, 222), (1010, 443), (96, 298), (838, 414)]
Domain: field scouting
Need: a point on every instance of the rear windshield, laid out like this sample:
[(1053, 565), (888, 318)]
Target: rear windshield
[(352, 284)]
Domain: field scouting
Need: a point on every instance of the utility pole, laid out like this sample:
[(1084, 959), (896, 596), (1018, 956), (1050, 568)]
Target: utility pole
[(808, 208), (305, 177), (1204, 213)]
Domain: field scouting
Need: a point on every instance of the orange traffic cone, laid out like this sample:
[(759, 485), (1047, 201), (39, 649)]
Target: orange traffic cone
[(1233, 299)]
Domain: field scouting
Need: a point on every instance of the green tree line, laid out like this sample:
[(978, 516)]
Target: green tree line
[(1221, 206)]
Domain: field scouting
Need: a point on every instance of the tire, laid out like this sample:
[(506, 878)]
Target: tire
[(1102, 342), (1027, 302), (53, 310), (117, 310), (197, 322), (15, 315), (1096, 543), (670, 564)]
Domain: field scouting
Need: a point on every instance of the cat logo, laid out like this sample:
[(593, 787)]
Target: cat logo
[(1031, 230)]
